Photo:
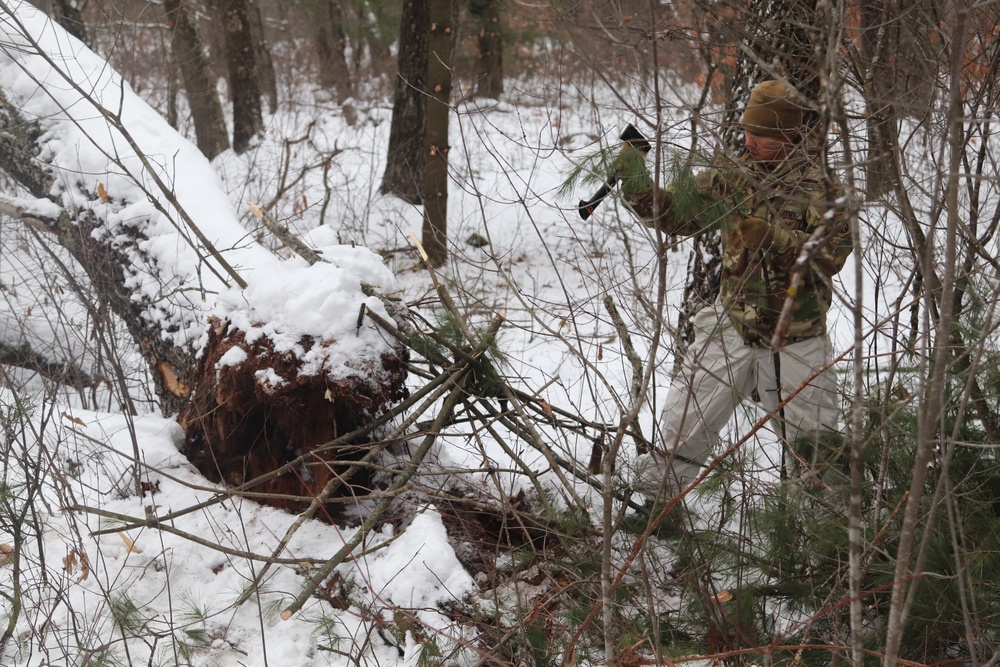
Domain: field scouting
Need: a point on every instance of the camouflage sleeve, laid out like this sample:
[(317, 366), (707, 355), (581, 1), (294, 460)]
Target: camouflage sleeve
[(833, 254), (680, 208), (653, 208)]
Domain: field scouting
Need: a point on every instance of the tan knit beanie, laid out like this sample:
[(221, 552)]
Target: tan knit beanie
[(770, 111)]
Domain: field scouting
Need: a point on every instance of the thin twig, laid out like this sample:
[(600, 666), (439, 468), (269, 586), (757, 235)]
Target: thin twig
[(292, 242), (630, 353)]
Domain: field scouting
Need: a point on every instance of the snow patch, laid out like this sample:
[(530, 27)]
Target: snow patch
[(233, 357), (269, 378), (321, 301), (419, 569)]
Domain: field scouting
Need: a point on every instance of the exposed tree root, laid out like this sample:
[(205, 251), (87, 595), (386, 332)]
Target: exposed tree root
[(248, 419)]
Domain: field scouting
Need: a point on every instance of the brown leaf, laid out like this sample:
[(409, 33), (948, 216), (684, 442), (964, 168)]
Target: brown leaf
[(75, 420), (596, 457), (722, 596), (84, 568), (102, 193), (75, 560)]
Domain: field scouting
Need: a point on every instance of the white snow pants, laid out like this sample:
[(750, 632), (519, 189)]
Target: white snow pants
[(719, 372)]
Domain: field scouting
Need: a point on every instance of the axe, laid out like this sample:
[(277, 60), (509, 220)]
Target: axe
[(630, 135)]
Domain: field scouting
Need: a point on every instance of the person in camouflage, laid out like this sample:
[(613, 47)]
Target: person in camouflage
[(773, 202)]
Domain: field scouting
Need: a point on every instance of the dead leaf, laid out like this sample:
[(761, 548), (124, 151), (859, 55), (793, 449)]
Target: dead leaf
[(102, 193), (75, 560), (84, 568), (75, 420), (722, 596), (6, 554), (596, 457), (257, 211), (420, 247)]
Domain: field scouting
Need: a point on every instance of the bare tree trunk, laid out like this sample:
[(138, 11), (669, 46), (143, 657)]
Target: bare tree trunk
[(435, 184), (262, 56), (331, 47), (489, 70), (199, 81), (69, 15), (876, 35), (173, 90), (404, 170), (243, 85)]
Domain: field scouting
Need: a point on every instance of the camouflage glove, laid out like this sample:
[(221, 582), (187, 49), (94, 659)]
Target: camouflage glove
[(754, 233), (629, 167), (758, 235)]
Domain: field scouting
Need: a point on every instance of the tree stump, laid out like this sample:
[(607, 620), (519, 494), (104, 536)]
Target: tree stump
[(253, 410)]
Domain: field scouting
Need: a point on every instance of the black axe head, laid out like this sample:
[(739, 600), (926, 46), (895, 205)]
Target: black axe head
[(631, 135)]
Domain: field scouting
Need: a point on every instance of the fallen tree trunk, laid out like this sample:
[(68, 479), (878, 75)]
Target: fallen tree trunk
[(110, 263), (257, 378)]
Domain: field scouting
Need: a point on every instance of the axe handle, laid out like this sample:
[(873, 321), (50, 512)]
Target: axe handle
[(587, 206)]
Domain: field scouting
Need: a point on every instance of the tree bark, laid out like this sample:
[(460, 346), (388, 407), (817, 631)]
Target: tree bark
[(244, 89), (489, 70), (404, 171), (68, 14), (876, 38), (434, 192), (199, 81), (331, 47), (104, 262)]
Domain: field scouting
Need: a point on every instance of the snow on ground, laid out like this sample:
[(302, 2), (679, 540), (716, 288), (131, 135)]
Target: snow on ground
[(93, 579)]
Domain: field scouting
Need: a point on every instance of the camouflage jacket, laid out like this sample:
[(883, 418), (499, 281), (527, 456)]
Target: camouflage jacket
[(793, 200)]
